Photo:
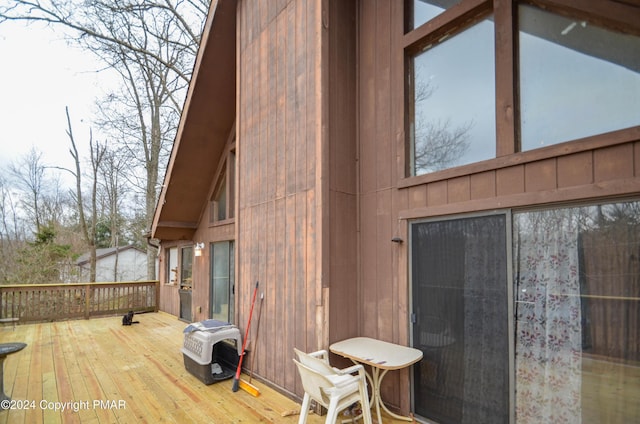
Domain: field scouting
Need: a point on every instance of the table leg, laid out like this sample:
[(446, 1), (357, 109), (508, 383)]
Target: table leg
[(380, 403), (375, 388), (375, 380), (374, 395)]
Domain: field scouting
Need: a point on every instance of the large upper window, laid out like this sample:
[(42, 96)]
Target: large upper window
[(559, 77), (453, 101), (576, 79), (421, 11)]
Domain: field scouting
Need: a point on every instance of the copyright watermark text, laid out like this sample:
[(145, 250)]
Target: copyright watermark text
[(74, 406)]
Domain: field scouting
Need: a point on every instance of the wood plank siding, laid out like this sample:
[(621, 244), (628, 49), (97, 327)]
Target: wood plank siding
[(297, 202), (281, 195), (341, 250)]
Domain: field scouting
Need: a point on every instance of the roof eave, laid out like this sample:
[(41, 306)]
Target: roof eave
[(205, 123)]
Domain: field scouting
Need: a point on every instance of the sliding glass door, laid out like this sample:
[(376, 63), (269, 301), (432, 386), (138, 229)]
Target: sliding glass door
[(529, 318), (222, 281), (577, 272), (460, 319)]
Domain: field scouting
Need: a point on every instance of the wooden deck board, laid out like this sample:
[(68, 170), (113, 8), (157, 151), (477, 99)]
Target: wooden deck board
[(99, 359)]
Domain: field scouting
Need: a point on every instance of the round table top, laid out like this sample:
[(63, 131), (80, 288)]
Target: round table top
[(7, 348)]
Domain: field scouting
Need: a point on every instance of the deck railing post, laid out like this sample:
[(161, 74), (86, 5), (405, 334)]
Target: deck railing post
[(157, 299), (87, 301)]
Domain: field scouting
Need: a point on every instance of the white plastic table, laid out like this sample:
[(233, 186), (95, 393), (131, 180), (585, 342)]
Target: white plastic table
[(382, 357)]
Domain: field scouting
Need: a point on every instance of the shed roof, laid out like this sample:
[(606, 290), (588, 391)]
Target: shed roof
[(106, 252)]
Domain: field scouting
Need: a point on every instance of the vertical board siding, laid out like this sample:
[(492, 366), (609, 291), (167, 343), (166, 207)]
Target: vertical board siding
[(342, 102), (278, 199), (342, 249), (383, 95), (380, 127), (366, 97)]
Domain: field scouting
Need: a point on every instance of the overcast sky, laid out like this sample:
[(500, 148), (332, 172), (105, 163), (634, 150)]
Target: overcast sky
[(39, 76)]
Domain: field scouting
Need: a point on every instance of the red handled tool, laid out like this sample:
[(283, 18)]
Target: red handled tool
[(236, 380)]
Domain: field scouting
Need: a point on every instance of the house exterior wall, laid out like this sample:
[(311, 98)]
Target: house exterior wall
[(295, 229), (321, 187), (599, 167), (281, 195)]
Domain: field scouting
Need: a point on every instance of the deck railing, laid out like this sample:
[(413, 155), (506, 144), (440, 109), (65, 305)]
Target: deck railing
[(54, 302)]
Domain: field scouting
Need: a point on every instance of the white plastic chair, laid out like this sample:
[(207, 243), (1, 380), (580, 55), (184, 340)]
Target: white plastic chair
[(333, 388)]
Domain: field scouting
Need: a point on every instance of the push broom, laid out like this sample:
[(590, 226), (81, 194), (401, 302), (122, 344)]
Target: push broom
[(236, 381)]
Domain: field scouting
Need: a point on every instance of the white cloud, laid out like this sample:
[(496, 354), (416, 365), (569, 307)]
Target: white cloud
[(39, 76)]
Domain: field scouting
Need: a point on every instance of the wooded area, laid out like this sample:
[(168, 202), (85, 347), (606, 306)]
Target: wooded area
[(45, 225)]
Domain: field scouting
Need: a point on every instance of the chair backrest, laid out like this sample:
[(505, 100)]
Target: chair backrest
[(315, 383), (319, 365)]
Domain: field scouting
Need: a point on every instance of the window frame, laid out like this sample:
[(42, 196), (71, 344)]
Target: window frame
[(171, 258), (186, 272), (225, 178), (231, 279), (611, 14)]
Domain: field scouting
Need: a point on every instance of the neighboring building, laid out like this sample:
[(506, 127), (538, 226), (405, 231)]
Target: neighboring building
[(126, 263), (458, 176)]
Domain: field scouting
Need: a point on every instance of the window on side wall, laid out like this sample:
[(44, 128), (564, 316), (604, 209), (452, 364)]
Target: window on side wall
[(223, 201), (451, 101), (219, 210), (172, 265), (572, 78)]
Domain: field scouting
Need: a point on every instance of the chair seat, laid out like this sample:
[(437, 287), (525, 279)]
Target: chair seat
[(332, 388)]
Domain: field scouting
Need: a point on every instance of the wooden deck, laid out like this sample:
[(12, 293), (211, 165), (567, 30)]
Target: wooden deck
[(111, 373)]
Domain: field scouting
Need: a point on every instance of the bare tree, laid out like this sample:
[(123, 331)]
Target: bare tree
[(29, 175), (112, 193), (143, 120), (9, 230), (123, 23), (31, 250), (437, 143), (152, 44), (97, 152)]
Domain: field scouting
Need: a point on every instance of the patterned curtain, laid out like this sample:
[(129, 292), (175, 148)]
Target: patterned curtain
[(548, 317)]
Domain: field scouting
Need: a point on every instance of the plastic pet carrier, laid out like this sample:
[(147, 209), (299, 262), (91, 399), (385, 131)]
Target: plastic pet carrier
[(211, 350)]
